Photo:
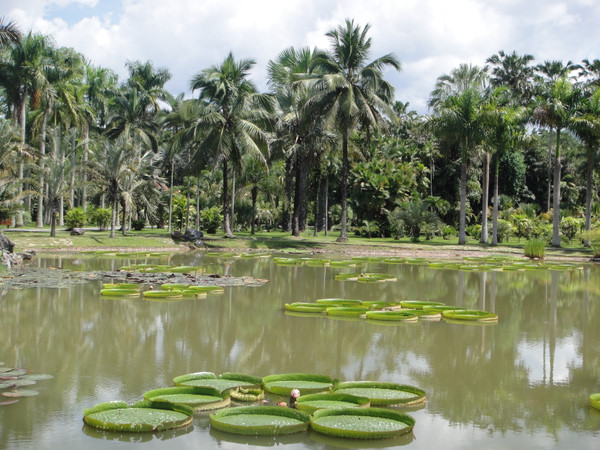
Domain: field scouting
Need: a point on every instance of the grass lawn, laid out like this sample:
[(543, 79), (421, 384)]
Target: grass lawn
[(40, 240)]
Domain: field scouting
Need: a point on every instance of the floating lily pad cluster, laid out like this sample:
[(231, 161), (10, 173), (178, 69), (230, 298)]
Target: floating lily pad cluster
[(162, 268), (132, 254), (167, 291), (400, 311), (368, 277), (16, 383), (327, 406), (253, 255), (501, 263)]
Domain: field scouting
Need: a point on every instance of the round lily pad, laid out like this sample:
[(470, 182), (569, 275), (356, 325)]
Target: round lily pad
[(21, 393), (312, 402), (418, 304), (382, 394), (351, 311), (307, 383), (394, 315), (198, 398), (339, 302), (14, 373), (595, 401), (224, 382), (306, 307), (139, 417), (471, 315), (23, 382), (37, 376), (120, 292), (260, 420), (362, 423)]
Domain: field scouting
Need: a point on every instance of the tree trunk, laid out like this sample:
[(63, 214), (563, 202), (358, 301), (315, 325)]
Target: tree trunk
[(40, 213), (556, 202), (345, 163), (53, 223), (233, 177), (588, 196), (299, 194), (496, 199), (254, 194), (226, 227), (198, 203), (61, 211), (113, 219), (286, 219), (485, 199), (462, 232), (23, 123), (549, 193), (170, 200), (72, 180), (124, 221), (86, 138), (188, 205)]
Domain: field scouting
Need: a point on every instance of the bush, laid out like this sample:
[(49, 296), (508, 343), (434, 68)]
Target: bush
[(505, 230), (75, 218), (570, 227), (448, 232), (100, 217), (138, 224), (211, 219), (535, 248), (593, 236), (474, 231)]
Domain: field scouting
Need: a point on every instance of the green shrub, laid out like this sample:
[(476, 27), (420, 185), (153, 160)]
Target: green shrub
[(448, 232), (75, 218), (593, 236), (138, 224), (535, 248), (100, 217), (474, 231), (211, 219), (570, 227), (505, 230)]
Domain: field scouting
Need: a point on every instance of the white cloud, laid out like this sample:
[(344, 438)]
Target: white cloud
[(430, 37)]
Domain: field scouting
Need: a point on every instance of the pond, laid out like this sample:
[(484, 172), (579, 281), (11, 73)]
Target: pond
[(523, 382)]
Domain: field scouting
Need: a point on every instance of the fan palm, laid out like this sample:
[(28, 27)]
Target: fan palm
[(352, 92), (9, 32)]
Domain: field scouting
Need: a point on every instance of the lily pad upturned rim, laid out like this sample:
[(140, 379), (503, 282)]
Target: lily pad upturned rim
[(419, 304), (206, 398), (418, 397), (471, 314), (100, 416), (242, 394), (326, 383), (352, 311), (595, 401), (195, 379), (303, 402), (306, 307), (394, 315), (319, 423), (301, 421)]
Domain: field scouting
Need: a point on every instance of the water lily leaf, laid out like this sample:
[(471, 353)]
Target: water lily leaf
[(21, 382), (8, 402), (260, 420), (5, 369), (14, 373), (37, 376), (6, 384), (21, 393)]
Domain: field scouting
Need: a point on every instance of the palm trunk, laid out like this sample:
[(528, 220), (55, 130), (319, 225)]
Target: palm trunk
[(254, 194), (187, 210), (53, 223), (124, 221), (588, 196), (549, 193), (286, 220), (170, 200), (299, 194), (496, 199), (72, 180), (485, 199), (233, 198), (86, 138), (226, 227), (23, 123), (198, 204), (556, 202), (343, 232), (40, 213), (113, 219), (462, 233)]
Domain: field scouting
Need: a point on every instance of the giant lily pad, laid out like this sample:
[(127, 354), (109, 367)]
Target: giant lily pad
[(140, 417), (224, 382), (471, 315), (306, 382), (312, 402), (198, 398), (394, 315), (382, 394), (362, 423), (419, 304), (21, 393), (306, 307), (347, 311), (260, 420), (595, 401)]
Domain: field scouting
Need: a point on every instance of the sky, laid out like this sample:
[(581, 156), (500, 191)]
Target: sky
[(429, 37)]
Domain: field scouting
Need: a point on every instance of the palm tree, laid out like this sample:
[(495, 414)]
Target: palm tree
[(233, 121), (54, 168), (513, 71), (557, 109), (9, 32), (352, 92), (9, 154), (458, 100)]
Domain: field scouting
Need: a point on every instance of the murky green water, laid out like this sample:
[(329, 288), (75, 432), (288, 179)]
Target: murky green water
[(521, 383)]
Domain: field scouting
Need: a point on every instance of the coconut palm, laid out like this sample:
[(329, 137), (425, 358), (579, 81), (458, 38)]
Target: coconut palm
[(233, 121), (351, 92), (556, 109), (514, 72)]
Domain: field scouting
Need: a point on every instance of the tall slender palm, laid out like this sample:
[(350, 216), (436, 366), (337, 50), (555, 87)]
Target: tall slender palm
[(458, 102), (144, 78), (297, 128), (587, 128), (235, 121), (54, 168), (557, 109), (352, 92), (9, 155)]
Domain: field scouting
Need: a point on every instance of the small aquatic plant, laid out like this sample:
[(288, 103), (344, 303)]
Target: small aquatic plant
[(535, 249)]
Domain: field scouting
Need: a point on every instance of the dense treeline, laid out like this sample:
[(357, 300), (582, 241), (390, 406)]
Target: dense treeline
[(509, 148)]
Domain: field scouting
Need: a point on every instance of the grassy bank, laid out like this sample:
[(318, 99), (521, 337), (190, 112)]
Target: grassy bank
[(40, 241)]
